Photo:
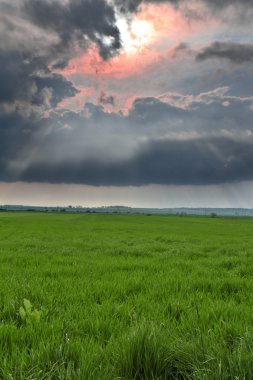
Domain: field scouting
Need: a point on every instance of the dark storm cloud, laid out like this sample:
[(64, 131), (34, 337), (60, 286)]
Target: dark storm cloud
[(194, 162), (59, 85), (15, 81), (106, 99), (133, 5), (98, 148), (20, 81), (152, 109), (20, 135), (11, 135), (234, 52), (181, 48), (24, 74), (226, 3), (209, 112), (76, 21), (128, 5), (172, 140), (39, 36)]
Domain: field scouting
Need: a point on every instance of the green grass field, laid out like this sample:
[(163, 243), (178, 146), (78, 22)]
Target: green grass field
[(125, 297)]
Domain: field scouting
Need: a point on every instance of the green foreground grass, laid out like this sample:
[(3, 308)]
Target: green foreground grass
[(125, 297)]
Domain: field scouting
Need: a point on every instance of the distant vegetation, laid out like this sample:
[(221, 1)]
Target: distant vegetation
[(88, 296), (181, 211)]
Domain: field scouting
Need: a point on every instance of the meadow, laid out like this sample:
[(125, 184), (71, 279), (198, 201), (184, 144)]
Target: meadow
[(103, 297)]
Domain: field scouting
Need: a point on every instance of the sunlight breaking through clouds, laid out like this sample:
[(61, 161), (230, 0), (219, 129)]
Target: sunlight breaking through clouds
[(113, 93)]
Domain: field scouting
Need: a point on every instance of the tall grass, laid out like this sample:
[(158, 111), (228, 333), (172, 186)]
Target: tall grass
[(125, 297)]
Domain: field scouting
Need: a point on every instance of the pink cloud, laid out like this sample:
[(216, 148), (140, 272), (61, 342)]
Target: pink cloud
[(165, 27), (77, 102), (121, 66)]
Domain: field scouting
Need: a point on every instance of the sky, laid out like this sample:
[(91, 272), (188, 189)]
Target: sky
[(143, 103)]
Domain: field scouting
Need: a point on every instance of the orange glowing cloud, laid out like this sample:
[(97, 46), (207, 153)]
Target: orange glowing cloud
[(152, 31), (148, 41), (167, 22), (121, 66)]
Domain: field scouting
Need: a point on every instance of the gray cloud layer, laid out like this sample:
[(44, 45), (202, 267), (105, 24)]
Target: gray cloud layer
[(173, 139), (75, 21), (181, 140), (195, 162), (234, 52)]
